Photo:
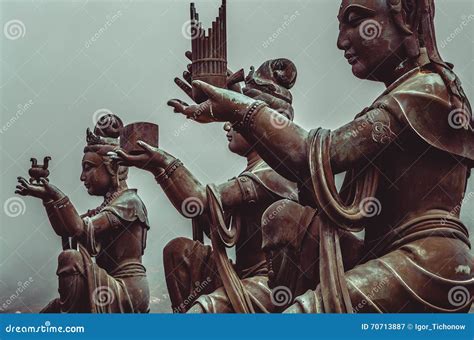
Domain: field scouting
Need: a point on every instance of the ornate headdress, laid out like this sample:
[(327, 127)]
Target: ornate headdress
[(275, 77)]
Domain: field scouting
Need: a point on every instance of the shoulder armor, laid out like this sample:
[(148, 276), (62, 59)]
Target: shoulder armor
[(274, 183), (420, 99), (129, 207)]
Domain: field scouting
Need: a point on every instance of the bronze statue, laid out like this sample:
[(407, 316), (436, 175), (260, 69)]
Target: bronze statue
[(113, 233), (407, 169), (200, 277)]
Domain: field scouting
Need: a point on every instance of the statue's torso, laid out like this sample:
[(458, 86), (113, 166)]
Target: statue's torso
[(124, 243), (425, 168), (249, 251)]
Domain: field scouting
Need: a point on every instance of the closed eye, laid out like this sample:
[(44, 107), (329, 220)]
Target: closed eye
[(355, 19), (354, 14)]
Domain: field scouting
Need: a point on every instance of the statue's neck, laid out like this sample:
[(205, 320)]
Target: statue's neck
[(115, 191), (252, 159), (404, 67)]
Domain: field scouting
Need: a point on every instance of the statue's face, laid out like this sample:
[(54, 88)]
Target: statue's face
[(237, 143), (371, 41), (95, 176)]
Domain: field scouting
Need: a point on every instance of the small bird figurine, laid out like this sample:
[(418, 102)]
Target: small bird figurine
[(38, 171)]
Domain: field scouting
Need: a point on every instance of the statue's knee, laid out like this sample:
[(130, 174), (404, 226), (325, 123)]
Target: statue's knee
[(71, 281), (280, 224), (174, 251), (70, 262)]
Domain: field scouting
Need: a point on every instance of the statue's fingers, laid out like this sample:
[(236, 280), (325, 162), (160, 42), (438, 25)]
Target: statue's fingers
[(147, 147), (252, 93), (123, 156), (23, 181), (21, 192), (211, 91), (189, 55), (45, 182), (188, 77), (177, 105), (189, 67), (184, 87)]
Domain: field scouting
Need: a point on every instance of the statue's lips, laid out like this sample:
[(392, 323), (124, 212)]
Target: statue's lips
[(351, 58)]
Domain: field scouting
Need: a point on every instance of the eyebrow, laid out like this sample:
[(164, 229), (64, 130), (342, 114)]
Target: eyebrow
[(354, 7), (88, 162)]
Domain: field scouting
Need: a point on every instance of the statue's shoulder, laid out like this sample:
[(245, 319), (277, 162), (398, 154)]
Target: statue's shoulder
[(420, 100), (417, 92), (128, 206), (270, 180)]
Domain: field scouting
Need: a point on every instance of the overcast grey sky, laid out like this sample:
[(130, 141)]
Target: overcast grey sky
[(62, 61)]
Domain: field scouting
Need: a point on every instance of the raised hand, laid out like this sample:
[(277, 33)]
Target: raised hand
[(44, 190), (222, 106), (152, 159)]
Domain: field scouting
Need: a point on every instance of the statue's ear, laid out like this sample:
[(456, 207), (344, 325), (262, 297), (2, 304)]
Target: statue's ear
[(411, 13), (405, 14)]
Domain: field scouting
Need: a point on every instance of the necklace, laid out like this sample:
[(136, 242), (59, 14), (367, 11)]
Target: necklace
[(109, 197)]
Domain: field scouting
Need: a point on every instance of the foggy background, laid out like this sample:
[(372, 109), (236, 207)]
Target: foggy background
[(71, 59)]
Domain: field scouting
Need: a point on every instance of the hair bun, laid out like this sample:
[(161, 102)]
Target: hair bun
[(108, 125), (284, 72)]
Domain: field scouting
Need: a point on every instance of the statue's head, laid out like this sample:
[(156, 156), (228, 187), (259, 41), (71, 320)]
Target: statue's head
[(377, 36), (270, 83), (99, 173), (237, 143), (382, 39)]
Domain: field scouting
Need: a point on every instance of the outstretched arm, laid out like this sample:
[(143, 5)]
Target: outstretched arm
[(285, 145), (182, 188), (61, 213)]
